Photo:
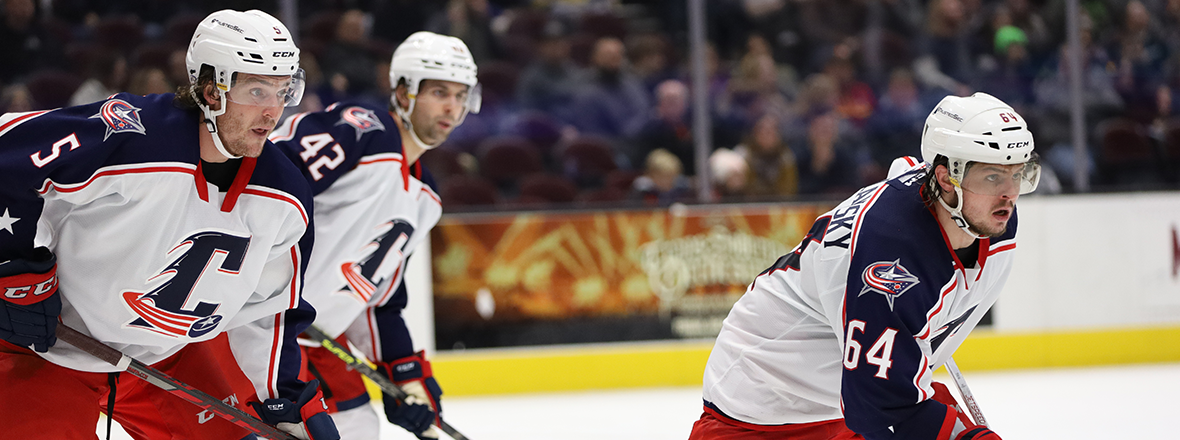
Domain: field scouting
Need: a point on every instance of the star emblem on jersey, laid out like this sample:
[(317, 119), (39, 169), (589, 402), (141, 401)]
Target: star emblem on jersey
[(6, 222), (888, 278), (362, 119), (120, 117)]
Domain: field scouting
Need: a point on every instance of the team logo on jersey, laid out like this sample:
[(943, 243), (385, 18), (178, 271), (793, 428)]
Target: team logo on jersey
[(120, 117), (385, 252), (887, 278), (170, 309), (362, 119)]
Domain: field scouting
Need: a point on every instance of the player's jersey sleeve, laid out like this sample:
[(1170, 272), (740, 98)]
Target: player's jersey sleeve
[(64, 146), (898, 279), (329, 144)]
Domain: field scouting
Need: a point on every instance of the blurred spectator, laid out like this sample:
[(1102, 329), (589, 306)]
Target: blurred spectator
[(857, 100), (827, 165), (1024, 16), (651, 60), (470, 21), (106, 76), (26, 44), (759, 85), (771, 166), (1011, 76), (945, 56), (16, 98), (147, 81), (895, 129), (398, 19), (610, 100), (1051, 89), (549, 82), (347, 65), (663, 182), (728, 171), (668, 128), (819, 95), (1141, 55), (829, 24)]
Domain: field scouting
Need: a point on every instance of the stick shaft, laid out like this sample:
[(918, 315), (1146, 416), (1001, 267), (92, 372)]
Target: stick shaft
[(377, 377), (169, 383), (968, 397)]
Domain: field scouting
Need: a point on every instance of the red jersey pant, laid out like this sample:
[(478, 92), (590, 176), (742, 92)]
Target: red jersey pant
[(720, 427), (40, 399)]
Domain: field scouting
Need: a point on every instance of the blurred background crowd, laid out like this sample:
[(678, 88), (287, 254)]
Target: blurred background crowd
[(587, 102)]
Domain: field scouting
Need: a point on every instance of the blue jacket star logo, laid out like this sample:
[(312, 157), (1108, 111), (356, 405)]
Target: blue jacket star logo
[(120, 117), (887, 278)]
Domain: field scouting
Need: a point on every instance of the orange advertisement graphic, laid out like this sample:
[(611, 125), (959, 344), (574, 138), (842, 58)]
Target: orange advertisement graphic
[(663, 273)]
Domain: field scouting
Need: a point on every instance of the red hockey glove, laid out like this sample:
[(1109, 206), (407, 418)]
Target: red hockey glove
[(31, 305), (972, 432), (422, 407), (306, 419)]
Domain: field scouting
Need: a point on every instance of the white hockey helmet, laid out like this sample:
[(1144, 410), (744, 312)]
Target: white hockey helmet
[(251, 42), (427, 55), (979, 128)]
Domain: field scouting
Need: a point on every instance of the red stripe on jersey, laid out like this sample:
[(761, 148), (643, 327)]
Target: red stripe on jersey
[(239, 185), (860, 215), (69, 188), (948, 424), (202, 184), (13, 123), (294, 278), (431, 194), (274, 347)]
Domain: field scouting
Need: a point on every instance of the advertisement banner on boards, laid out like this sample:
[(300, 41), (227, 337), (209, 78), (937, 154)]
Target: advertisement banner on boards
[(504, 280)]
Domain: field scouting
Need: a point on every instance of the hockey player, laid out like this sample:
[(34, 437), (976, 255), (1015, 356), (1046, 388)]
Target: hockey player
[(374, 203), (839, 338), (151, 224)]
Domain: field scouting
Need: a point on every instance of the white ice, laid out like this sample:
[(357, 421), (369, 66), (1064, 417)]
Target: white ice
[(1099, 403)]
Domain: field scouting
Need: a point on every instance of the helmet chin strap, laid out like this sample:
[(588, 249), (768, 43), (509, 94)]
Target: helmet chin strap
[(211, 125), (957, 212), (405, 117)]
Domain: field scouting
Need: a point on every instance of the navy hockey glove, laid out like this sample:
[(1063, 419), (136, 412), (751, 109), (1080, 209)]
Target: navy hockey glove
[(306, 419), (422, 407), (31, 305), (978, 433)]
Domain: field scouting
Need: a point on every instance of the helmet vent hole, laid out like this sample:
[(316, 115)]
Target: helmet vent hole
[(250, 39), (280, 39), (987, 133), (993, 145), (1011, 128)]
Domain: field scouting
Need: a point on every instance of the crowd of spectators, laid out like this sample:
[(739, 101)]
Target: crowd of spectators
[(589, 102)]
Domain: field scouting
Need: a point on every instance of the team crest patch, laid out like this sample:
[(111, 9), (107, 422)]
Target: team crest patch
[(120, 117), (888, 278), (362, 119)]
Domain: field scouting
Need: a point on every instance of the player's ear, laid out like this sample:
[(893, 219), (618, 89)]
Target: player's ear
[(402, 93), (212, 98), (943, 177)]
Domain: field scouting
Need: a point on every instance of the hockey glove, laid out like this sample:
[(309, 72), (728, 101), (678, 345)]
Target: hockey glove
[(422, 406), (31, 305), (972, 431), (306, 419)]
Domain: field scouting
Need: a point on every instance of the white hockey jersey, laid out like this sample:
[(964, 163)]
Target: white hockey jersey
[(857, 317), (150, 255), (372, 209)]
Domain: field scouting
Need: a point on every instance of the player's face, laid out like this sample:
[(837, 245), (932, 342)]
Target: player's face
[(253, 108), (437, 109), (989, 196)]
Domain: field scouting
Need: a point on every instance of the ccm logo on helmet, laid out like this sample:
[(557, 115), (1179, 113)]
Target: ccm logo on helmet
[(1017, 144), (283, 54)]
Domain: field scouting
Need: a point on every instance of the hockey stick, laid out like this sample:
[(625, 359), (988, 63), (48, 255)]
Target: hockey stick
[(968, 398), (169, 384), (377, 377)]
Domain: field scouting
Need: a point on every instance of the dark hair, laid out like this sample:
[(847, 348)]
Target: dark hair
[(930, 189), (191, 96)]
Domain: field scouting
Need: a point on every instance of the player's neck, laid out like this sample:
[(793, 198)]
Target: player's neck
[(411, 151), (957, 237), (209, 151)]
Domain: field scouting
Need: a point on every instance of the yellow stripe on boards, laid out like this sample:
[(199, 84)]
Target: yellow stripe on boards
[(637, 365)]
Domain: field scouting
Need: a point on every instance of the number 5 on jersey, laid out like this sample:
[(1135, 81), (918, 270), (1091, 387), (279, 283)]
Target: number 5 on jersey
[(312, 144), (880, 354)]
